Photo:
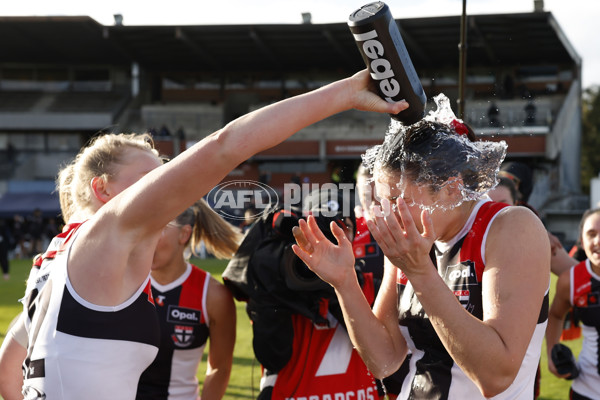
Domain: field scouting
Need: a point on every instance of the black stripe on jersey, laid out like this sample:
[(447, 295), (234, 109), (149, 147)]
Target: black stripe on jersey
[(31, 303), (544, 311), (136, 323), (430, 370)]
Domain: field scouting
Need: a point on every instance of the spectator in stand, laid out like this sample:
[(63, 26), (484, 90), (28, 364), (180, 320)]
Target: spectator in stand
[(493, 115), (164, 132), (530, 113), (181, 286), (579, 288)]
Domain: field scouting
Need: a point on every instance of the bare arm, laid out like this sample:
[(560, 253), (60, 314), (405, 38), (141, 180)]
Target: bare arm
[(12, 354), (489, 351), (560, 306), (127, 225), (221, 311), (375, 333), (197, 170)]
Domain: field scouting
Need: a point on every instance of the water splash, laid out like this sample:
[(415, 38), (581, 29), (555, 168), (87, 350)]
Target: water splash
[(420, 167)]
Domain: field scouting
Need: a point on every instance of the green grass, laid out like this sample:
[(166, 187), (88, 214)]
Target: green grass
[(245, 375)]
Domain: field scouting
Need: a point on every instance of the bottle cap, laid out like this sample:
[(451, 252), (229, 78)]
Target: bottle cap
[(366, 13)]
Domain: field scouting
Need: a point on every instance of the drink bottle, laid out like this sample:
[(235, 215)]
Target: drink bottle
[(379, 41)]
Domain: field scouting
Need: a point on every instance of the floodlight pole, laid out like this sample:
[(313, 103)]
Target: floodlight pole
[(462, 65)]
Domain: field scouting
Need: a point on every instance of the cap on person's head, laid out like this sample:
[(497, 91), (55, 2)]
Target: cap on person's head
[(521, 175)]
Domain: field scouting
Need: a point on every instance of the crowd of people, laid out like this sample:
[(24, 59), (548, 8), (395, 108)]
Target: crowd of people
[(430, 286), (24, 237)]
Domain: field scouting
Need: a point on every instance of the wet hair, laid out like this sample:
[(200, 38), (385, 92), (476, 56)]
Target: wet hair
[(431, 153), (98, 159), (363, 172), (220, 237)]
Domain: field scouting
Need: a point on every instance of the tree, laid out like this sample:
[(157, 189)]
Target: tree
[(590, 140)]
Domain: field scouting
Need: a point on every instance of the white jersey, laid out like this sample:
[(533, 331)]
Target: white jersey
[(40, 271), (79, 350)]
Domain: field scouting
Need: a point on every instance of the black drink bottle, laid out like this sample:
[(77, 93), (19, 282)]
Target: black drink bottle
[(379, 41)]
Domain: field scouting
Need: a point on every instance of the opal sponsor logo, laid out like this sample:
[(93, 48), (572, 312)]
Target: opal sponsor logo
[(459, 275), (183, 315)]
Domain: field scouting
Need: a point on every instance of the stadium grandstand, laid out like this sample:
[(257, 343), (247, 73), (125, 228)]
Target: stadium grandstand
[(65, 79)]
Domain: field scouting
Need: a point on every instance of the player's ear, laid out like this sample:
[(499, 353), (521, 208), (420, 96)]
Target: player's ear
[(100, 189)]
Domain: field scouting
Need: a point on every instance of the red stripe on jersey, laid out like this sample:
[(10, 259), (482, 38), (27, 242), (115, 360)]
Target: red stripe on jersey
[(401, 278), (66, 234), (148, 291), (471, 248), (191, 296), (582, 284)]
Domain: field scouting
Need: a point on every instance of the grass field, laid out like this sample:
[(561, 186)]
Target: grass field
[(245, 374)]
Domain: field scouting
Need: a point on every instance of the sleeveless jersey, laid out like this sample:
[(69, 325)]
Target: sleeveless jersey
[(181, 308), (460, 262), (79, 350), (324, 366), (585, 298), (40, 270)]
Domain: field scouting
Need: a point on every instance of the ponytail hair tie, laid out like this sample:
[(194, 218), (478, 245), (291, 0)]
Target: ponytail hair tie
[(459, 127)]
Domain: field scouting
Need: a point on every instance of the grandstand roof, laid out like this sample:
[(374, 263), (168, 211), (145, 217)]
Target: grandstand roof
[(493, 40)]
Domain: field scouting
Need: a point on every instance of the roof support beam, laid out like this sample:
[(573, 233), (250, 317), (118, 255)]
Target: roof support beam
[(263, 47), (415, 48), (481, 41), (337, 47), (198, 50)]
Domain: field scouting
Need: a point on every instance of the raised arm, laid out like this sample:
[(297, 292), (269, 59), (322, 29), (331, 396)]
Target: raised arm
[(112, 254), (375, 333), (197, 170)]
